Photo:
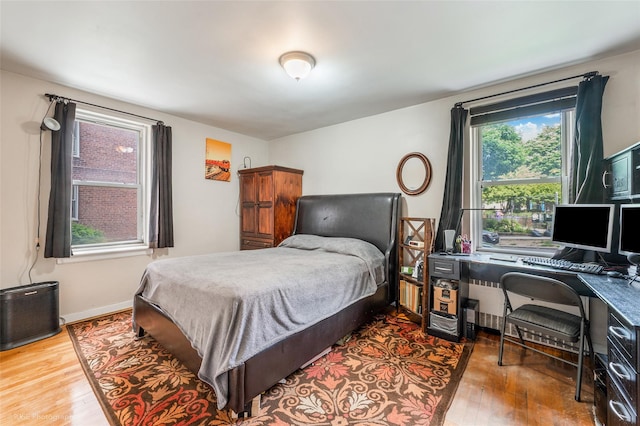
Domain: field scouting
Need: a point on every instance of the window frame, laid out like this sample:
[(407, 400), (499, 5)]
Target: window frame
[(74, 202), (76, 140), (140, 245), (567, 123)]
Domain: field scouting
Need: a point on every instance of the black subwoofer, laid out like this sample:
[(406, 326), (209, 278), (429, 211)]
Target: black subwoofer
[(28, 313)]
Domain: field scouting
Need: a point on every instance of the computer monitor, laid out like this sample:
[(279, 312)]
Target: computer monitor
[(629, 229), (583, 226)]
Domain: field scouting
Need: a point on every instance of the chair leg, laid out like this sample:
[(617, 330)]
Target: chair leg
[(579, 377), (584, 334), (501, 349), (502, 330), (592, 354), (581, 359), (519, 334)]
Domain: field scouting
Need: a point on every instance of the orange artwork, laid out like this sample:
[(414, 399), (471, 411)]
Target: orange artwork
[(217, 162)]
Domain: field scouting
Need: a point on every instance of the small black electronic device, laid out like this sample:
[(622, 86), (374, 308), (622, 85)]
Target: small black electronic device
[(471, 315), (583, 226)]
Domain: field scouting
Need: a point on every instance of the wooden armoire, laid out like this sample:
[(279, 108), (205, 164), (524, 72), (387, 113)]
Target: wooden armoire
[(268, 197)]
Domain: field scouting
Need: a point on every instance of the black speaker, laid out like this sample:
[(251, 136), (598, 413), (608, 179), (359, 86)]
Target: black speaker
[(28, 313), (471, 314)]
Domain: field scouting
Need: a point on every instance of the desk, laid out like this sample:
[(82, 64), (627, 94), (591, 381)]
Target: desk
[(623, 331), (617, 293), (482, 267), (623, 353), (476, 273)]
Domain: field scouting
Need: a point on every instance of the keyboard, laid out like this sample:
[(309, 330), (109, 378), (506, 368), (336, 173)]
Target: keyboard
[(587, 268)]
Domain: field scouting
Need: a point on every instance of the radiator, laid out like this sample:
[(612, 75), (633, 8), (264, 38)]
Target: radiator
[(28, 313)]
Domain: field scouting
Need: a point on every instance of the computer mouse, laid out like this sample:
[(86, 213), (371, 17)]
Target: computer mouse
[(615, 274)]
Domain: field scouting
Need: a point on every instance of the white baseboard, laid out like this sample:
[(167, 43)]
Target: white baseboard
[(102, 310)]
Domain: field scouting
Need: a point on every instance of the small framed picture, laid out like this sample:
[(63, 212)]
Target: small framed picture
[(217, 164), (408, 239)]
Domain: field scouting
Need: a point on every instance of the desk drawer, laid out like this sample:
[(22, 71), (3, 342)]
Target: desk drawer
[(620, 412), (623, 374), (444, 268), (623, 336)]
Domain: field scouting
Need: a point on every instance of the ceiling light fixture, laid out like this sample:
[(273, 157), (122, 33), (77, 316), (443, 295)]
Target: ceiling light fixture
[(297, 64)]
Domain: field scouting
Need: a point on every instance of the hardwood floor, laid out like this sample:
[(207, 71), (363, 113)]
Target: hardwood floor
[(43, 384), (528, 389)]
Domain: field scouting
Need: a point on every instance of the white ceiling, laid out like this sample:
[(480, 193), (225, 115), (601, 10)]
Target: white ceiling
[(216, 62)]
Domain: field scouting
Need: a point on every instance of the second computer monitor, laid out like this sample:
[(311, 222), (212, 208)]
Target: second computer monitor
[(629, 229), (583, 226)]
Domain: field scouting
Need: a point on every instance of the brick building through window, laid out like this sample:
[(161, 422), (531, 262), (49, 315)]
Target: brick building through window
[(106, 177)]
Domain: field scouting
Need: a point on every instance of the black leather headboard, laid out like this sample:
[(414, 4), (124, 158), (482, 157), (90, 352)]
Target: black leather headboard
[(369, 217)]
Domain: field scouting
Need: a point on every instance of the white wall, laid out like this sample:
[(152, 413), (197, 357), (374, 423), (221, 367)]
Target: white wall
[(362, 155), (205, 216)]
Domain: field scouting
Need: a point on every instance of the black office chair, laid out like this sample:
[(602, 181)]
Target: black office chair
[(542, 320)]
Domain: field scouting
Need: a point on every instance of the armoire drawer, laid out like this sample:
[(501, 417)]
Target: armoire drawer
[(248, 244)]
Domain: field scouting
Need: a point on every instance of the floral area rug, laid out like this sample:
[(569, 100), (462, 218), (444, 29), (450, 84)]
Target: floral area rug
[(387, 373)]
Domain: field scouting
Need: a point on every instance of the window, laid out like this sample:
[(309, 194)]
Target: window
[(109, 191), (520, 170), (76, 139), (74, 203)]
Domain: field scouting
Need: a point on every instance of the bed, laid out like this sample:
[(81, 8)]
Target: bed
[(337, 231)]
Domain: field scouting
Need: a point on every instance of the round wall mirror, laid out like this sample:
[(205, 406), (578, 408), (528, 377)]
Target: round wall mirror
[(414, 173)]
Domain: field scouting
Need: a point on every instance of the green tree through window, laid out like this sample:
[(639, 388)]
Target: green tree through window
[(519, 180)]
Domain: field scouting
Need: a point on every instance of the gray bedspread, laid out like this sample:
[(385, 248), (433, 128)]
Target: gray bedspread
[(233, 305)]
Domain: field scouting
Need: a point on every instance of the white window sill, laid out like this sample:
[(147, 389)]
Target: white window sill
[(518, 253), (87, 255)]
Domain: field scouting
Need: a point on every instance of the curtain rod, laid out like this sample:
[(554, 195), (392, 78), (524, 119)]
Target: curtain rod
[(57, 98), (586, 75)]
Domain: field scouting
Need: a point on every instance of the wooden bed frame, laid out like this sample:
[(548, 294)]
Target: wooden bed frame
[(370, 217)]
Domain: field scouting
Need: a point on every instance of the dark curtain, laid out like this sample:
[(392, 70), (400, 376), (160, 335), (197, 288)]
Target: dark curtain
[(58, 239), (587, 153), (452, 201), (161, 208), (587, 158)]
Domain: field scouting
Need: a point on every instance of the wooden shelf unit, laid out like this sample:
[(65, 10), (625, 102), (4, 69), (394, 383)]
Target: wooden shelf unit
[(413, 291)]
